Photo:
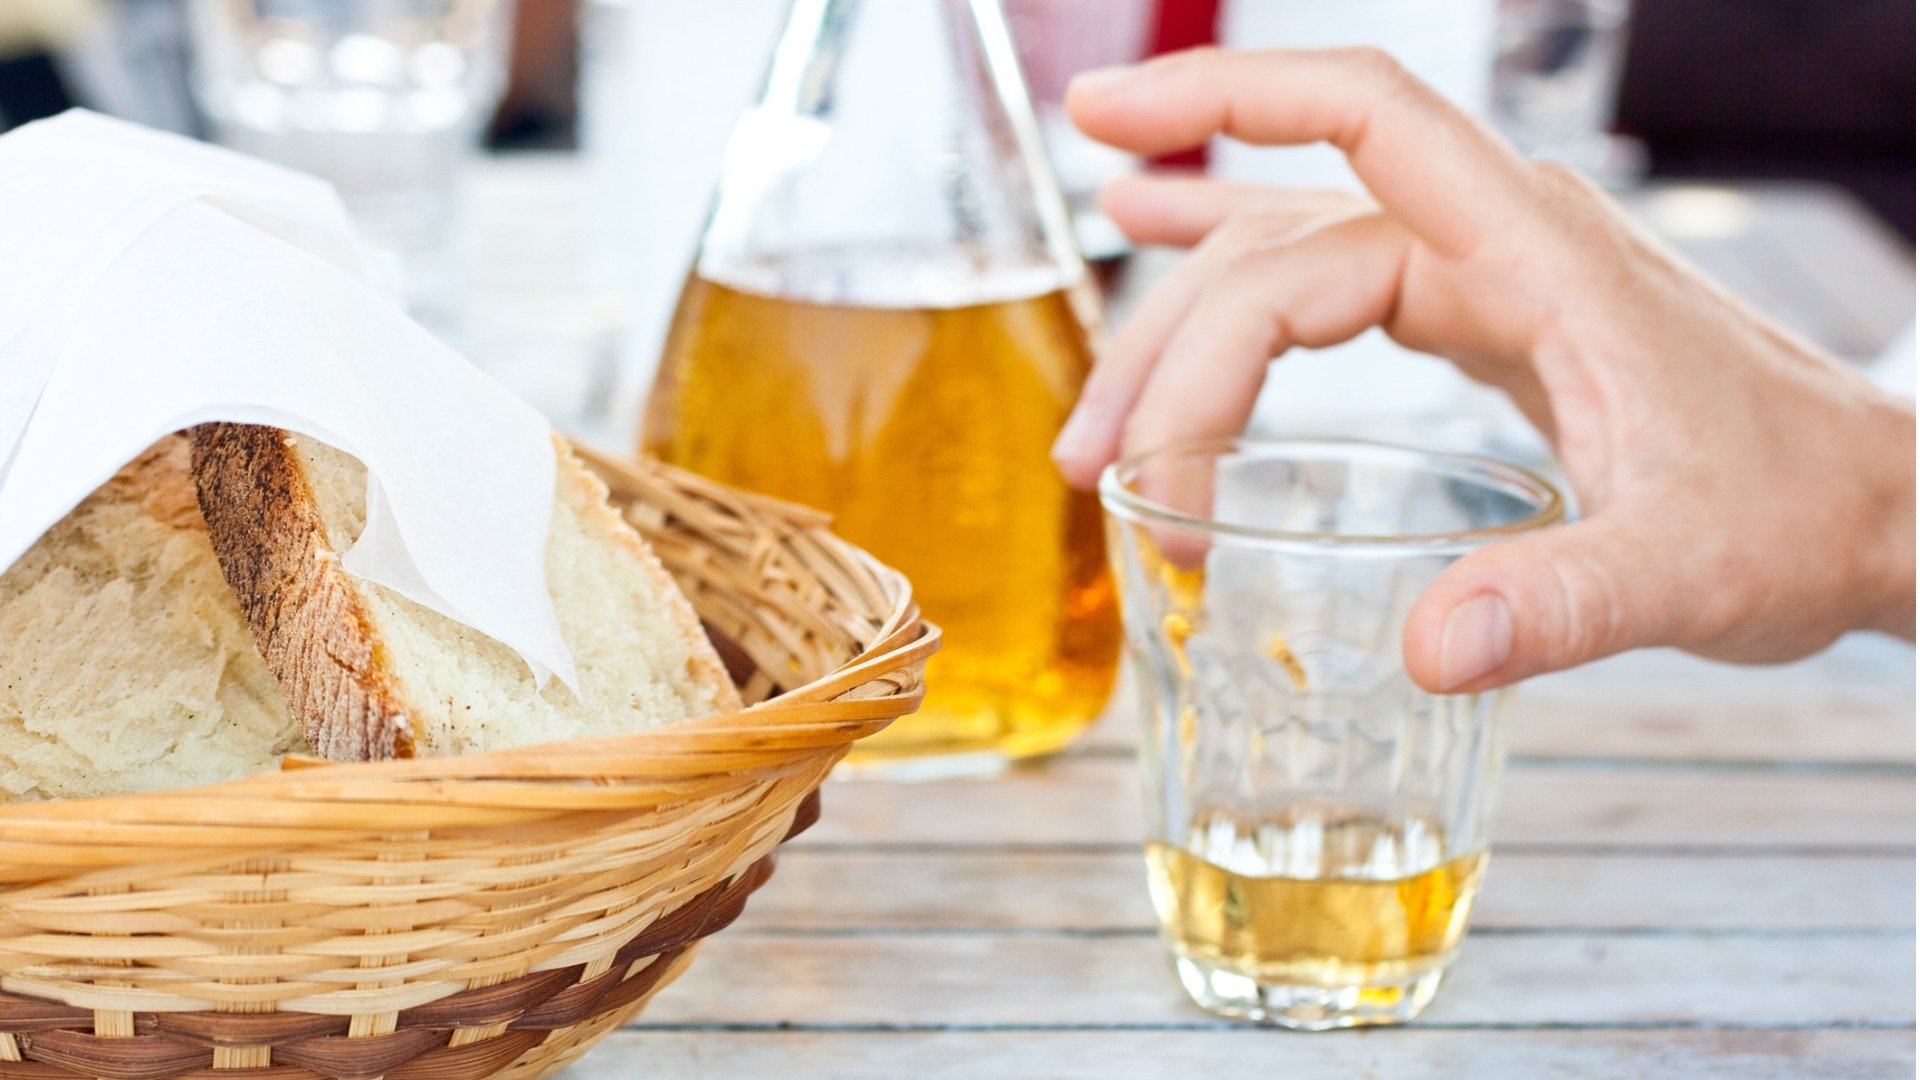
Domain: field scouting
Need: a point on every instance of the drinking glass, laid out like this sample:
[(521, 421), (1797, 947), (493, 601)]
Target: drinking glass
[(1556, 71), (1316, 823), (384, 98)]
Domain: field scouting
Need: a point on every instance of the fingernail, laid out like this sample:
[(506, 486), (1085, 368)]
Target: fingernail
[(1098, 80), (1477, 639), (1076, 437)]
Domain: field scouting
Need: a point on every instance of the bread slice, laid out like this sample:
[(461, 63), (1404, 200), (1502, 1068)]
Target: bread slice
[(125, 664), (371, 674)]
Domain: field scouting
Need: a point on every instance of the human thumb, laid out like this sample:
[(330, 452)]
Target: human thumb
[(1544, 602)]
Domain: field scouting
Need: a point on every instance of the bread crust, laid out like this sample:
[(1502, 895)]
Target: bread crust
[(310, 619), (306, 613)]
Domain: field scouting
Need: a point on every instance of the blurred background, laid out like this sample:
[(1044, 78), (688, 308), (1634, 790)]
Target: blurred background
[(534, 174)]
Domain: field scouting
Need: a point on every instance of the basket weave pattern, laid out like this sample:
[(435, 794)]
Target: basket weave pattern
[(465, 917)]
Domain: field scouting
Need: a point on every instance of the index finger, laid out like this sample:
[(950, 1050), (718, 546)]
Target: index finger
[(1444, 175), (1181, 211)]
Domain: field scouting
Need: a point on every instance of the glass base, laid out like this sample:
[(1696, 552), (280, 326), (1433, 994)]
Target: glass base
[(1301, 1007)]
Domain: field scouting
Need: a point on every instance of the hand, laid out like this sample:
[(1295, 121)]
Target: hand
[(1745, 496)]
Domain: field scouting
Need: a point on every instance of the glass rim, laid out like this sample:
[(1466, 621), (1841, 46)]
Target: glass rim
[(1549, 505)]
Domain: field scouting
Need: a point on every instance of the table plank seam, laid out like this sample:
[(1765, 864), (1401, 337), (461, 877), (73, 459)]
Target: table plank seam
[(1801, 767), (1117, 932), (1518, 847), (1204, 1025), (1611, 763)]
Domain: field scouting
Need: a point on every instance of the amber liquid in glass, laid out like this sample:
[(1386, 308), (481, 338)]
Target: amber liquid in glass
[(925, 431), (1314, 900)]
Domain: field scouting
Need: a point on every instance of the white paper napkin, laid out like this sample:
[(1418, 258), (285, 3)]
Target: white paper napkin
[(149, 283)]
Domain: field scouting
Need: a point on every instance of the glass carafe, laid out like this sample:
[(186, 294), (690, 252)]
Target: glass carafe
[(888, 319)]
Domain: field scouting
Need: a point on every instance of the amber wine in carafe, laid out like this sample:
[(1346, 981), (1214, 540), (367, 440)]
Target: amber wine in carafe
[(888, 319), (925, 431)]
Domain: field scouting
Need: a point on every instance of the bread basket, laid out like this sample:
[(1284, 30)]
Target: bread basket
[(455, 918)]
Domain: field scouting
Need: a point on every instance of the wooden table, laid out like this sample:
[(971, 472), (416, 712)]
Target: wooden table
[(1698, 870)]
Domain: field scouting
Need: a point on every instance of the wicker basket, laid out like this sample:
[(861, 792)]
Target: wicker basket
[(483, 915)]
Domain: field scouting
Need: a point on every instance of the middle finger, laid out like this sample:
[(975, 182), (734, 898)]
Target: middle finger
[(1091, 438)]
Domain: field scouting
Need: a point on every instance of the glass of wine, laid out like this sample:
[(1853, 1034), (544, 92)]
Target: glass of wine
[(1317, 824)]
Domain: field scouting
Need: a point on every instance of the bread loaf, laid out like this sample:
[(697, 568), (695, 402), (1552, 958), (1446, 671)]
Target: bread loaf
[(371, 674), (125, 664)]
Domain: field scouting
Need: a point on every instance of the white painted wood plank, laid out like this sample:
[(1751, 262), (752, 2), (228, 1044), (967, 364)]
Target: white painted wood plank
[(1820, 242), (1852, 703), (1049, 981), (1408, 1053), (1096, 801), (1085, 891)]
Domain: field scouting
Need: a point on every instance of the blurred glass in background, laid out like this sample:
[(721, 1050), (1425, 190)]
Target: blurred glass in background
[(1556, 72), (384, 98), (126, 58), (1371, 387), (1448, 44), (1058, 39)]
